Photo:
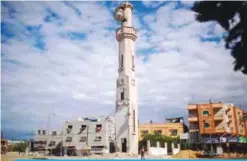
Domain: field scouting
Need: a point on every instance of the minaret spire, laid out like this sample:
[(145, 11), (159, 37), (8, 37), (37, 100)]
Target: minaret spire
[(126, 114)]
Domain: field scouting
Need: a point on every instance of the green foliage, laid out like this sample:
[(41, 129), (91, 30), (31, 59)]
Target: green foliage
[(20, 147), (224, 12), (157, 137)]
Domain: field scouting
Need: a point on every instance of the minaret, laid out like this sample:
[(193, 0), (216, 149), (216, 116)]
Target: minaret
[(126, 114)]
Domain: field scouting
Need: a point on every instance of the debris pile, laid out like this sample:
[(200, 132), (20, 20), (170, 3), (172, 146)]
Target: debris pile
[(187, 154)]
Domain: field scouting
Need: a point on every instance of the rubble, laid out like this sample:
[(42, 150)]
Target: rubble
[(187, 154)]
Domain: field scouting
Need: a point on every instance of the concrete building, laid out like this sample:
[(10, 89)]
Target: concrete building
[(47, 142), (216, 123), (126, 96), (96, 134), (174, 127)]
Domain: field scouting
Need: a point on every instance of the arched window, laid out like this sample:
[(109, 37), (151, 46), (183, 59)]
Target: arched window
[(134, 122), (122, 61)]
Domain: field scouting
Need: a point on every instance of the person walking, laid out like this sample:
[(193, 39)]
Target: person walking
[(142, 153)]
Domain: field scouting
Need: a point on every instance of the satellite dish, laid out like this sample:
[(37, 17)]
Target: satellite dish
[(80, 119)]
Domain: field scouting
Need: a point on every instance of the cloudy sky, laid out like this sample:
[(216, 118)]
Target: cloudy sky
[(62, 57)]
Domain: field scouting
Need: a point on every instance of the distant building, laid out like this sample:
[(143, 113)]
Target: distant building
[(43, 141), (174, 127), (96, 134)]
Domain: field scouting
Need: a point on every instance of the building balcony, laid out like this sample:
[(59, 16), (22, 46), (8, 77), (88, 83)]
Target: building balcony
[(220, 130), (126, 32), (217, 105), (218, 118), (192, 118), (194, 127), (192, 107)]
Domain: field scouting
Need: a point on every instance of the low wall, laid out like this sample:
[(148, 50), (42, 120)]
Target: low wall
[(159, 151)]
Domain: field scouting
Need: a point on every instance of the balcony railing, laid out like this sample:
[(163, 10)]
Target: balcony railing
[(193, 118), (218, 117), (191, 107), (193, 115), (194, 127)]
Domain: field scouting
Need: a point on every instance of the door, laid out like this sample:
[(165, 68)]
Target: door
[(124, 145)]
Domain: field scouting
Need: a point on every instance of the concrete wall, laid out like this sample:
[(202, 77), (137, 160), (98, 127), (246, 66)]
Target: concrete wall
[(161, 151)]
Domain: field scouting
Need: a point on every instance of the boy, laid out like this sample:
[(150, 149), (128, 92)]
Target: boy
[(142, 152)]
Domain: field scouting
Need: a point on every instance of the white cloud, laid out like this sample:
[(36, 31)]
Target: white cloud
[(152, 4), (78, 77)]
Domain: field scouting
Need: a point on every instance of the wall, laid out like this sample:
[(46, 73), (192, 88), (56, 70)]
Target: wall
[(160, 151), (209, 119), (240, 124)]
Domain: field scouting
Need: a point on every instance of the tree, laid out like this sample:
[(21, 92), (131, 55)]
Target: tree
[(157, 137), (20, 147), (223, 12)]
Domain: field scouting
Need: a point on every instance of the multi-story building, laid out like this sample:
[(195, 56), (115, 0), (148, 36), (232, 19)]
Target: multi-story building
[(173, 127), (215, 119), (96, 134), (49, 142)]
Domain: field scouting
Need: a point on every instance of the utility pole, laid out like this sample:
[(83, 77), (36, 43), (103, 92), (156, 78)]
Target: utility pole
[(48, 131)]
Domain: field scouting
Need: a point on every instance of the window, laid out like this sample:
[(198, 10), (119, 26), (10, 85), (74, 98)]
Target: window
[(122, 95), (43, 132), (52, 143), (159, 132), (206, 125), (122, 61), (69, 128), (173, 132), (144, 132), (83, 139), (229, 116), (83, 127), (205, 113), (54, 133), (98, 127), (134, 122), (133, 61), (68, 139), (97, 138), (39, 131)]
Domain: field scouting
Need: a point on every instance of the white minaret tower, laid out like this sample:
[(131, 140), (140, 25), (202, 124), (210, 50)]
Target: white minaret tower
[(126, 102)]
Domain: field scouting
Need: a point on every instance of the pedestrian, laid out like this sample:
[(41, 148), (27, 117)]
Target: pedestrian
[(142, 153)]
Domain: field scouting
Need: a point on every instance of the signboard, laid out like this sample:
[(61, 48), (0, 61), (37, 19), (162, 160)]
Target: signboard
[(212, 140), (184, 136), (242, 139), (223, 139), (232, 139)]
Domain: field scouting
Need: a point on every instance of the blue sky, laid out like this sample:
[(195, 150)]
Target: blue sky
[(61, 57)]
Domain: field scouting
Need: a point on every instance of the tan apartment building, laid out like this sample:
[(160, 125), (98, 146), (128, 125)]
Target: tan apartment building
[(169, 128)]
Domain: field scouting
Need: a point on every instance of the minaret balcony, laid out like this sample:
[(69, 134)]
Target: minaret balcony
[(126, 32), (122, 103)]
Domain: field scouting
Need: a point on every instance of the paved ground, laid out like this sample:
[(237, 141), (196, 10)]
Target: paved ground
[(14, 157)]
